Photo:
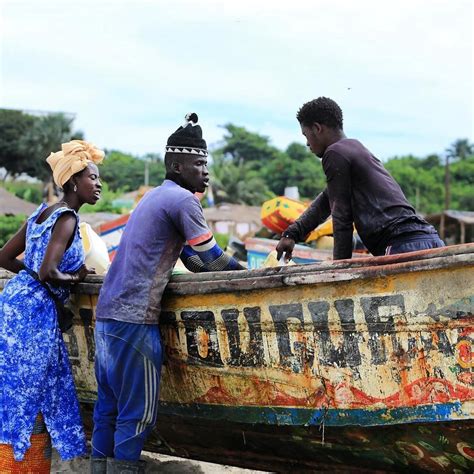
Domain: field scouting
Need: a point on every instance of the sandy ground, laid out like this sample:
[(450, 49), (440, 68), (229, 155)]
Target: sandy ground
[(157, 463)]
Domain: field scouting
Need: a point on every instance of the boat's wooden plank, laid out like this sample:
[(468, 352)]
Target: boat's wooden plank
[(284, 276), (249, 282), (339, 264), (465, 249), (304, 276)]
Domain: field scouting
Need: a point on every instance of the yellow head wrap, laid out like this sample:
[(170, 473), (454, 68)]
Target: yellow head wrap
[(73, 157)]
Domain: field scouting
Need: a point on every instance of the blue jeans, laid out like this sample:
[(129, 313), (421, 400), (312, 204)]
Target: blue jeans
[(128, 367), (412, 243)]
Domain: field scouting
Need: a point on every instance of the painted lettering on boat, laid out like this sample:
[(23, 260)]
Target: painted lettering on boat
[(346, 333), (302, 331)]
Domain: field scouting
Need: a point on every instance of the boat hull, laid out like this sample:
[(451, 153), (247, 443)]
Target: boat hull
[(362, 365), (415, 447)]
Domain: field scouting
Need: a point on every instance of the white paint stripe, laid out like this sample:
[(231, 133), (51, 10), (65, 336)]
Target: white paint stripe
[(150, 391), (204, 247), (157, 392), (148, 398), (151, 395), (146, 389), (147, 413), (154, 394)]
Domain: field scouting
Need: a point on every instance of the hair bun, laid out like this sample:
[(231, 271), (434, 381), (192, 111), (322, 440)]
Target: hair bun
[(188, 138), (192, 117)]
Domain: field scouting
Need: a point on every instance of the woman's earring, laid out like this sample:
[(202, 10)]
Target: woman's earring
[(75, 188)]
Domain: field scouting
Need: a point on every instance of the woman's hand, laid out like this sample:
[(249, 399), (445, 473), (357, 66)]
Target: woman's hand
[(82, 273)]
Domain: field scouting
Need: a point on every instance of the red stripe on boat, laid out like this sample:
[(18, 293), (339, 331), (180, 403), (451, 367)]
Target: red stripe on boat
[(115, 223)]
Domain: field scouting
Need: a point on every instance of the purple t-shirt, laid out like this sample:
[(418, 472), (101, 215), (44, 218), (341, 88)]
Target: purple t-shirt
[(163, 221)]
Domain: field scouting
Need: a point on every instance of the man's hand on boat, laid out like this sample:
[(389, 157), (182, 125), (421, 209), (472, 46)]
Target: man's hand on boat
[(285, 247)]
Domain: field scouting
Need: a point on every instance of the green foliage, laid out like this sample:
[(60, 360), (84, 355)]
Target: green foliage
[(31, 192), (26, 141), (422, 181), (241, 146), (248, 169), (237, 183), (460, 149), (462, 184), (125, 172), (222, 240), (424, 188), (9, 226), (295, 167), (462, 172), (430, 162), (105, 203), (13, 125), (46, 135)]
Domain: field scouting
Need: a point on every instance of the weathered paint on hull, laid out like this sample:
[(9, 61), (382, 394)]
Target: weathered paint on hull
[(415, 447), (374, 356)]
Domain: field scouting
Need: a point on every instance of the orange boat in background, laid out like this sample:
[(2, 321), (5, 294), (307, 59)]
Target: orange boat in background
[(278, 213)]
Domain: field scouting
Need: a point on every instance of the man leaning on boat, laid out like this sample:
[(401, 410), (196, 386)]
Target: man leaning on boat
[(128, 345), (359, 192)]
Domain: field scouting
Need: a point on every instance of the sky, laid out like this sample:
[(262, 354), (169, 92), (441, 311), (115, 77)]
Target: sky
[(402, 71)]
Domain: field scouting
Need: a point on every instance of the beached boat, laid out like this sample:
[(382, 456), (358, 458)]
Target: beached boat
[(355, 365)]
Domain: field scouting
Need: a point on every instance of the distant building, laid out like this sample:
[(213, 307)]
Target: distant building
[(454, 227), (238, 220)]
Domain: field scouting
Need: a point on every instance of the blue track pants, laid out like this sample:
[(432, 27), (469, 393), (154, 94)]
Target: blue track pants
[(127, 366), (413, 243)]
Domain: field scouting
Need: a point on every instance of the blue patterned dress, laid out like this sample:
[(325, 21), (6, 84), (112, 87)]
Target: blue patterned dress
[(35, 373)]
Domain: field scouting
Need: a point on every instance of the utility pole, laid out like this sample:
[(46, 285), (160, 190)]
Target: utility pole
[(147, 173), (447, 184)]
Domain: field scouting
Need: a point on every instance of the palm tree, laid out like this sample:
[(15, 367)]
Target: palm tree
[(237, 183), (459, 149), (45, 136)]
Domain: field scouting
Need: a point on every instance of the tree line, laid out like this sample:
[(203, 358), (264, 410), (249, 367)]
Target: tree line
[(245, 167)]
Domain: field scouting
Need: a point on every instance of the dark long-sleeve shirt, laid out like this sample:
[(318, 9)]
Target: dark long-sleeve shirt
[(359, 192)]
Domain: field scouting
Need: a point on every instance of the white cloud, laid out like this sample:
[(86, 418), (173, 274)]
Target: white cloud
[(130, 70)]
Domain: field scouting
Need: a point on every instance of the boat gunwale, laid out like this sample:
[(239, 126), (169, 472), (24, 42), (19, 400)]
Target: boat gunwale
[(317, 273), (343, 270)]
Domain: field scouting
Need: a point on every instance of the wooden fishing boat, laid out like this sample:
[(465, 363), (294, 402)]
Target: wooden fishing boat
[(358, 365)]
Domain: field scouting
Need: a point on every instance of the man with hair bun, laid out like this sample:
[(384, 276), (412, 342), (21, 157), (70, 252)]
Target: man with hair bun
[(128, 344), (359, 192)]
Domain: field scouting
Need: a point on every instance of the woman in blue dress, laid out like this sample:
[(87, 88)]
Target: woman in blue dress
[(35, 374)]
